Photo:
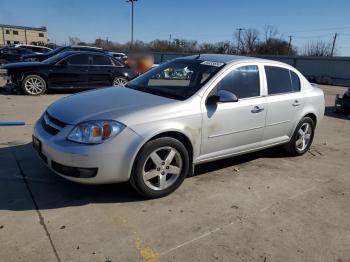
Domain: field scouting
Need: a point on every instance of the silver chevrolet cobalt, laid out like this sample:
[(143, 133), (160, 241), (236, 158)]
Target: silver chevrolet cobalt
[(182, 113)]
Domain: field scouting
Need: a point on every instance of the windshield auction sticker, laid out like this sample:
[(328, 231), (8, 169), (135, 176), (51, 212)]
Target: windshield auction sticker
[(211, 63)]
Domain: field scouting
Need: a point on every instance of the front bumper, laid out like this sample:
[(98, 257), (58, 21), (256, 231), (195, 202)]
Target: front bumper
[(112, 160)]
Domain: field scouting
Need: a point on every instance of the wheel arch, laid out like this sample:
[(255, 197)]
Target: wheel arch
[(312, 116), (183, 138), (25, 74)]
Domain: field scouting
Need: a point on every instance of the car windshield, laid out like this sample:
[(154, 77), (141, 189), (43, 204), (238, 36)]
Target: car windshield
[(55, 58), (56, 51), (178, 79)]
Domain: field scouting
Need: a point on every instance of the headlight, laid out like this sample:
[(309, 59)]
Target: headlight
[(95, 132)]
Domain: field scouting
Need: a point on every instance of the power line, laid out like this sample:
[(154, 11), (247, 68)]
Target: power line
[(321, 29)]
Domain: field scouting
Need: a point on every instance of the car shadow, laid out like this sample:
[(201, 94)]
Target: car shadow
[(329, 111), (26, 183)]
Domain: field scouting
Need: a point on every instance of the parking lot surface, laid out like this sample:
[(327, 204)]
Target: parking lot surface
[(264, 206)]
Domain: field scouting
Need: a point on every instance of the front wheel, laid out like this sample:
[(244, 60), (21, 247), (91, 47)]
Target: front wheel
[(302, 137), (120, 81), (34, 85), (160, 167)]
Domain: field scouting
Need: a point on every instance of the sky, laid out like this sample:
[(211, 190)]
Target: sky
[(201, 20)]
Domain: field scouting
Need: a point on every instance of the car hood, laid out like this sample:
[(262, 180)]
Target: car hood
[(22, 65), (115, 103)]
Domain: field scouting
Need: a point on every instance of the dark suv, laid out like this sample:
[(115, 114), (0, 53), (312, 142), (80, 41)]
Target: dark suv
[(68, 70), (42, 57)]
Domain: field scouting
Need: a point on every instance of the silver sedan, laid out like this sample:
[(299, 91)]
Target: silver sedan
[(182, 113)]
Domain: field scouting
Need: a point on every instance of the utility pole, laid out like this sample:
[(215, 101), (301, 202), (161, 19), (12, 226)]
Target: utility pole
[(290, 44), (132, 21), (239, 38), (334, 39), (170, 39)]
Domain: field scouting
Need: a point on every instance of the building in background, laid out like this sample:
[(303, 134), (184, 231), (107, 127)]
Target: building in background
[(12, 34)]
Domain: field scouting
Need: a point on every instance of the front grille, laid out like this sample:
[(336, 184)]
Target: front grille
[(51, 125), (55, 121), (51, 130)]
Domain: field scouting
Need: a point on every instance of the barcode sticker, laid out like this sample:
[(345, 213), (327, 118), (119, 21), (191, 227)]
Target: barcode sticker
[(211, 63)]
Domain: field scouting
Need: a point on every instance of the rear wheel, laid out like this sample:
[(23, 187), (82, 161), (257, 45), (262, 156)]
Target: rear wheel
[(120, 81), (34, 85), (160, 168), (302, 137)]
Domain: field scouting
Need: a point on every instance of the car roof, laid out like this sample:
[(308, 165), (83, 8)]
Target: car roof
[(19, 45), (222, 58), (85, 46), (86, 52)]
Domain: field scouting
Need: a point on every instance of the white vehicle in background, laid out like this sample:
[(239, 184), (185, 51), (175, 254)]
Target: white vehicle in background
[(35, 48), (120, 56)]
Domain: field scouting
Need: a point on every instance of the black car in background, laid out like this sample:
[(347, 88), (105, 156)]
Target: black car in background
[(12, 54), (68, 70), (342, 103), (42, 57)]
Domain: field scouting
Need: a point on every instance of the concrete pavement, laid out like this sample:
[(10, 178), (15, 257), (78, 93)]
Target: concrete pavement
[(264, 206)]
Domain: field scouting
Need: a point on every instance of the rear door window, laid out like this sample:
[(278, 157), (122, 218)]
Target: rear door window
[(80, 59), (101, 60), (295, 81), (281, 80)]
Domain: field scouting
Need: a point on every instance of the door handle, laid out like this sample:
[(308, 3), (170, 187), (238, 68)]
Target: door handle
[(86, 70), (257, 109), (296, 103)]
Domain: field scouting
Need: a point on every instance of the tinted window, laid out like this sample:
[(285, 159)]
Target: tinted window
[(78, 60), (101, 60), (295, 81), (243, 82), (117, 63), (280, 80)]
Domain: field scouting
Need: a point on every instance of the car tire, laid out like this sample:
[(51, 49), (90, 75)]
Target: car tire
[(34, 85), (160, 168), (120, 81), (302, 137)]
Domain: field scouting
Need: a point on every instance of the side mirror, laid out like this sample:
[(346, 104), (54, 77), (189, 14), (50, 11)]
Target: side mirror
[(222, 96)]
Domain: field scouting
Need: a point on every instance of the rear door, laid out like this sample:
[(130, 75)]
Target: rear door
[(285, 102), (70, 72), (100, 71)]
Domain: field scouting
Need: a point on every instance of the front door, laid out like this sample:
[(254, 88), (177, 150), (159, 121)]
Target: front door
[(70, 72), (233, 127)]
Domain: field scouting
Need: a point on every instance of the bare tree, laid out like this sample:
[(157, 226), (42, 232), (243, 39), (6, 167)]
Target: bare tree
[(73, 40), (249, 41), (318, 48), (270, 31)]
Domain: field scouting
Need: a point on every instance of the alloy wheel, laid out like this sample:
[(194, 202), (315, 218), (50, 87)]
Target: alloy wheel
[(34, 85), (162, 168), (120, 81), (303, 136)]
